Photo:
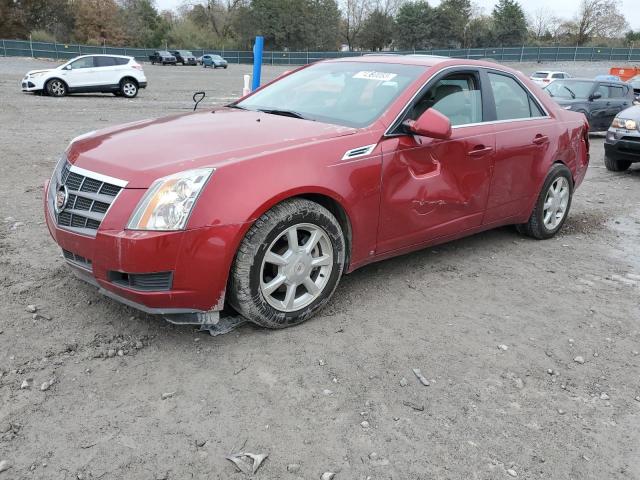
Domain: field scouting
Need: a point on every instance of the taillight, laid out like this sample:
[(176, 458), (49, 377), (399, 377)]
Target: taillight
[(137, 66), (546, 80)]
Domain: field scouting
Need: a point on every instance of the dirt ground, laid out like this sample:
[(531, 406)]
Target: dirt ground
[(300, 395)]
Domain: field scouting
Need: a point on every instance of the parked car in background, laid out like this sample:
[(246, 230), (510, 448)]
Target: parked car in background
[(214, 61), (163, 57), (117, 74), (599, 101), (635, 84), (607, 78), (545, 77), (185, 57), (622, 144), (350, 161)]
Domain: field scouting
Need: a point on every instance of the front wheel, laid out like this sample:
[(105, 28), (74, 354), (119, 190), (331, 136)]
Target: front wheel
[(56, 88), (552, 205), (614, 165), (288, 265)]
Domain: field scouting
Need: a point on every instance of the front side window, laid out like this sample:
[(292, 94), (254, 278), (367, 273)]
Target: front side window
[(456, 96), (85, 62), (616, 92), (353, 94), (557, 75), (603, 90), (512, 100)]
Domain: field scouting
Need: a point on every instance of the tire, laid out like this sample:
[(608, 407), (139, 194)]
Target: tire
[(117, 93), (56, 88), (614, 165), (225, 67), (537, 227), (266, 293), (128, 88)]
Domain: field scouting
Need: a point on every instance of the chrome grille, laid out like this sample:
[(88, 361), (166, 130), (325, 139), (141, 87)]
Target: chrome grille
[(89, 196)]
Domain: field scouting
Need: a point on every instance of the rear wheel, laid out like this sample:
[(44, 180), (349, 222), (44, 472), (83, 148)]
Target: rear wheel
[(552, 206), (616, 165), (288, 264), (128, 88), (56, 88)]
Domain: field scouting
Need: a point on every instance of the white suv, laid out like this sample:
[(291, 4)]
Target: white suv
[(545, 77), (120, 75)]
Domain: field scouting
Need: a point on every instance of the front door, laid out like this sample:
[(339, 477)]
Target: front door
[(81, 73), (435, 188)]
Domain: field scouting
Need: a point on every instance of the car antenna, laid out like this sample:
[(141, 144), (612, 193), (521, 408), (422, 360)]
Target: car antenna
[(198, 100)]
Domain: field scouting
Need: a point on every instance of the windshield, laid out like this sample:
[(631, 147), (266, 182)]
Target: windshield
[(635, 81), (165, 53), (570, 89), (540, 75), (185, 53), (353, 94)]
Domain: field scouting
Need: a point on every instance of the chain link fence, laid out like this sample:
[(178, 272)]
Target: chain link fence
[(63, 51)]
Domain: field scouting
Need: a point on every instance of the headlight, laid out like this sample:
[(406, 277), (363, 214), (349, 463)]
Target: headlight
[(34, 75), (169, 201), (568, 107), (623, 123)]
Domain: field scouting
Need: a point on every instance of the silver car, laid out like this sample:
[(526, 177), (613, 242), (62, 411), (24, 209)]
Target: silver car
[(622, 144)]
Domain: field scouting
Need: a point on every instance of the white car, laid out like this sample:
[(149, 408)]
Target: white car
[(116, 74), (545, 77)]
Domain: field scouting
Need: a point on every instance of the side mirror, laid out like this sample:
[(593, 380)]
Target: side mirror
[(68, 67), (595, 96), (431, 124)]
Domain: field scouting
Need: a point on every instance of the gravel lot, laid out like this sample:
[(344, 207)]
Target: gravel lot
[(526, 409)]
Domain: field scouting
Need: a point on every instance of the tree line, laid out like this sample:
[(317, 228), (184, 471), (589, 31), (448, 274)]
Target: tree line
[(317, 25)]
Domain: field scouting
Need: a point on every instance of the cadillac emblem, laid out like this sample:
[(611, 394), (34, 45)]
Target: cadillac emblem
[(62, 195)]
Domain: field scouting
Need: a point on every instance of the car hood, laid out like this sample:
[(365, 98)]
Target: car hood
[(631, 113), (568, 101), (144, 151), (46, 70)]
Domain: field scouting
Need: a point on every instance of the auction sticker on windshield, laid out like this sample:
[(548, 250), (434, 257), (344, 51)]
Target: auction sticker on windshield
[(379, 76)]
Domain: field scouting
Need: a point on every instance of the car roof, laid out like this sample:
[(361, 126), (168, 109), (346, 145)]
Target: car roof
[(423, 60)]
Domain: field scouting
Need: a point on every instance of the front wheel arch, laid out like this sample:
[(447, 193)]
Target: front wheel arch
[(46, 85)]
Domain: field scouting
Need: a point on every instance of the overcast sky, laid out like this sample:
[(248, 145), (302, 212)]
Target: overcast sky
[(562, 8)]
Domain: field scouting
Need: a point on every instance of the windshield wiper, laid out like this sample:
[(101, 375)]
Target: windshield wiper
[(237, 106), (573, 95), (284, 113)]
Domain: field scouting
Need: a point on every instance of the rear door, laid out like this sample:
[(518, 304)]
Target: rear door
[(603, 109), (620, 98), (106, 71), (437, 188), (524, 135)]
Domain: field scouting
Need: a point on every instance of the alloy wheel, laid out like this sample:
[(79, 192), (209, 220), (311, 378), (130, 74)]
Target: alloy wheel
[(129, 89), (57, 88), (296, 267), (555, 204)]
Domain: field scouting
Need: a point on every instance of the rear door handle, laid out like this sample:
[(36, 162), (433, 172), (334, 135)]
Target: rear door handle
[(540, 139), (480, 150)]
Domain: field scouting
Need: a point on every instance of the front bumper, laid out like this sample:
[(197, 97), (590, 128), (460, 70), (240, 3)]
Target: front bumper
[(623, 145), (198, 259), (29, 84)]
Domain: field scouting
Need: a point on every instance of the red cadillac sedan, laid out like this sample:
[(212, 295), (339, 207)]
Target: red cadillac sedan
[(263, 204)]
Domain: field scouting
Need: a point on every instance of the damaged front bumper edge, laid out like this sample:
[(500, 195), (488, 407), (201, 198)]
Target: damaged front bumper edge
[(209, 321)]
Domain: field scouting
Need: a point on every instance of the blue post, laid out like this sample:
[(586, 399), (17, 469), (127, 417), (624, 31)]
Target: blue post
[(257, 62)]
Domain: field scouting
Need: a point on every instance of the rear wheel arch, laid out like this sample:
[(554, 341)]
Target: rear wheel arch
[(129, 77)]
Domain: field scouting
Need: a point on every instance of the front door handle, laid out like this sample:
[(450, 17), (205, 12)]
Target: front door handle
[(540, 139), (480, 150)]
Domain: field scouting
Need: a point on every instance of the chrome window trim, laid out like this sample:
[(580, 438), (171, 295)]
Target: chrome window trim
[(478, 67), (98, 176)]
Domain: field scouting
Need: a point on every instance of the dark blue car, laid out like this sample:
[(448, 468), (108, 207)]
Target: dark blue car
[(214, 61)]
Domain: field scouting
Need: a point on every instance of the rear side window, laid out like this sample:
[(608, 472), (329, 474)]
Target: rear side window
[(105, 61), (121, 61), (457, 97), (557, 75), (512, 100)]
